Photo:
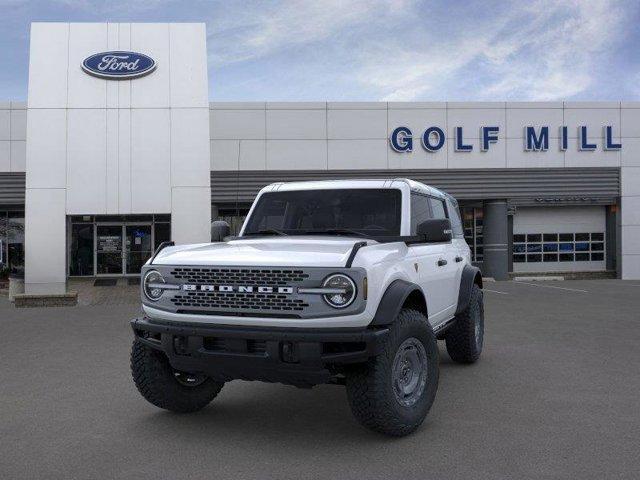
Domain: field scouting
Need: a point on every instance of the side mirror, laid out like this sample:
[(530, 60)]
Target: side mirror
[(435, 230), (219, 230)]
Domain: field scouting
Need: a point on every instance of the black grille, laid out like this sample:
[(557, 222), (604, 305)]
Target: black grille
[(238, 301), (253, 347), (238, 276)]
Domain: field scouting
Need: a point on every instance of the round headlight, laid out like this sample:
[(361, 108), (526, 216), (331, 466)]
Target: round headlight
[(151, 279), (344, 290)]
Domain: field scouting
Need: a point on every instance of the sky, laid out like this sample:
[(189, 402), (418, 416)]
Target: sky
[(377, 50)]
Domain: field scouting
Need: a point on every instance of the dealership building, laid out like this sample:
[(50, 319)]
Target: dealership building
[(118, 148)]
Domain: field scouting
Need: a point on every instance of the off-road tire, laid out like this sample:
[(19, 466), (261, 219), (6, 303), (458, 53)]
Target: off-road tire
[(370, 386), (155, 379), (462, 345)]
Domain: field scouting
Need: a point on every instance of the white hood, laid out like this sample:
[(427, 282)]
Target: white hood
[(303, 251)]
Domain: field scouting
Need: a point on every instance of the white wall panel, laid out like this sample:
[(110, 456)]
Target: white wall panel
[(112, 162), (296, 154), (188, 53), (630, 181), (630, 153), (471, 119), (420, 105), (357, 106), (86, 161), (47, 148), (495, 157), (630, 211), (191, 215), (18, 156), (417, 158), (598, 158), (630, 267), (296, 105), (237, 124), (518, 118), (356, 124), (357, 154), (296, 124), (224, 154), (418, 120), (630, 239), (150, 161), (113, 43), (124, 161), (592, 118), (5, 124), (124, 86), (5, 156), (18, 124), (630, 120), (45, 241), (253, 155), (86, 91), (48, 62), (190, 164), (152, 91), (517, 157)]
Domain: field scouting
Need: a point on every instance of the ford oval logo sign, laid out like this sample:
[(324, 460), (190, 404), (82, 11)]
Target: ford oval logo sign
[(118, 65)]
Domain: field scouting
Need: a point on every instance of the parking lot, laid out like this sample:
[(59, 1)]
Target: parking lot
[(556, 394)]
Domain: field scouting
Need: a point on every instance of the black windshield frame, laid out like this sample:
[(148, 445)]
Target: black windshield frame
[(363, 212)]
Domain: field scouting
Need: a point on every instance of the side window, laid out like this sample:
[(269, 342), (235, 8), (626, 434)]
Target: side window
[(419, 211), (454, 215), (437, 206)]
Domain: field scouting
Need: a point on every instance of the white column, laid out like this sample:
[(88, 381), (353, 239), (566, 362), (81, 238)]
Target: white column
[(630, 223), (45, 241), (630, 191)]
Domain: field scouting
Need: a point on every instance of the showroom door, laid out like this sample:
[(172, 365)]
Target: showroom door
[(138, 247), (109, 258)]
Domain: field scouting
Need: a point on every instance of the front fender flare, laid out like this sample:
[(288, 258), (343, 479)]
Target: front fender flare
[(470, 275), (392, 301)]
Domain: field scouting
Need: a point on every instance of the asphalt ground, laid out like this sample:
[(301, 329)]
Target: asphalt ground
[(556, 394)]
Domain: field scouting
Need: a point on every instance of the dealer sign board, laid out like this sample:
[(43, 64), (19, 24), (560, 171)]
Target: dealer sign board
[(535, 139), (118, 65)]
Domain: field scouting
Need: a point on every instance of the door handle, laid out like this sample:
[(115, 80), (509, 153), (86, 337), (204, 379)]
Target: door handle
[(458, 259), (442, 262)]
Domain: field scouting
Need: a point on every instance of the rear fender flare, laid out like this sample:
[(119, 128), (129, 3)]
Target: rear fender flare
[(470, 275)]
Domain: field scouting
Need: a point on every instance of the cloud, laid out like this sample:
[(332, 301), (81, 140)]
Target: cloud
[(261, 29), (408, 50), (547, 50)]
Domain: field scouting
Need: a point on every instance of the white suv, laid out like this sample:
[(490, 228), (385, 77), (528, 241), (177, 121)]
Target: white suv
[(344, 282)]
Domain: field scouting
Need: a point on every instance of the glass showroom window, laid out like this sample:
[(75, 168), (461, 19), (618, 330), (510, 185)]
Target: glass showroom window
[(558, 247), (12, 240), (234, 217), (472, 222), (4, 265)]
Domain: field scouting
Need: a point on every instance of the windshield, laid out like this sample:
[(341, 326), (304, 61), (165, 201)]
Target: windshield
[(360, 212)]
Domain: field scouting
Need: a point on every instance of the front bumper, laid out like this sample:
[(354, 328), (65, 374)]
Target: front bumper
[(301, 357)]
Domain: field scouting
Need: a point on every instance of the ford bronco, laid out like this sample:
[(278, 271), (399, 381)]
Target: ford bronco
[(348, 282)]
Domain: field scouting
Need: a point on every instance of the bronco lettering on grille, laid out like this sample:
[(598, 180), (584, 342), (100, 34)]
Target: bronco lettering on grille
[(237, 288)]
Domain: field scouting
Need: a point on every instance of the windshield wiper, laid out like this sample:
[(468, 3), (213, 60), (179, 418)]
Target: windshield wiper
[(336, 231), (268, 231)]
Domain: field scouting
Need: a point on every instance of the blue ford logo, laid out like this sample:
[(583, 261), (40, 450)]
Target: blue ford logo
[(118, 65)]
